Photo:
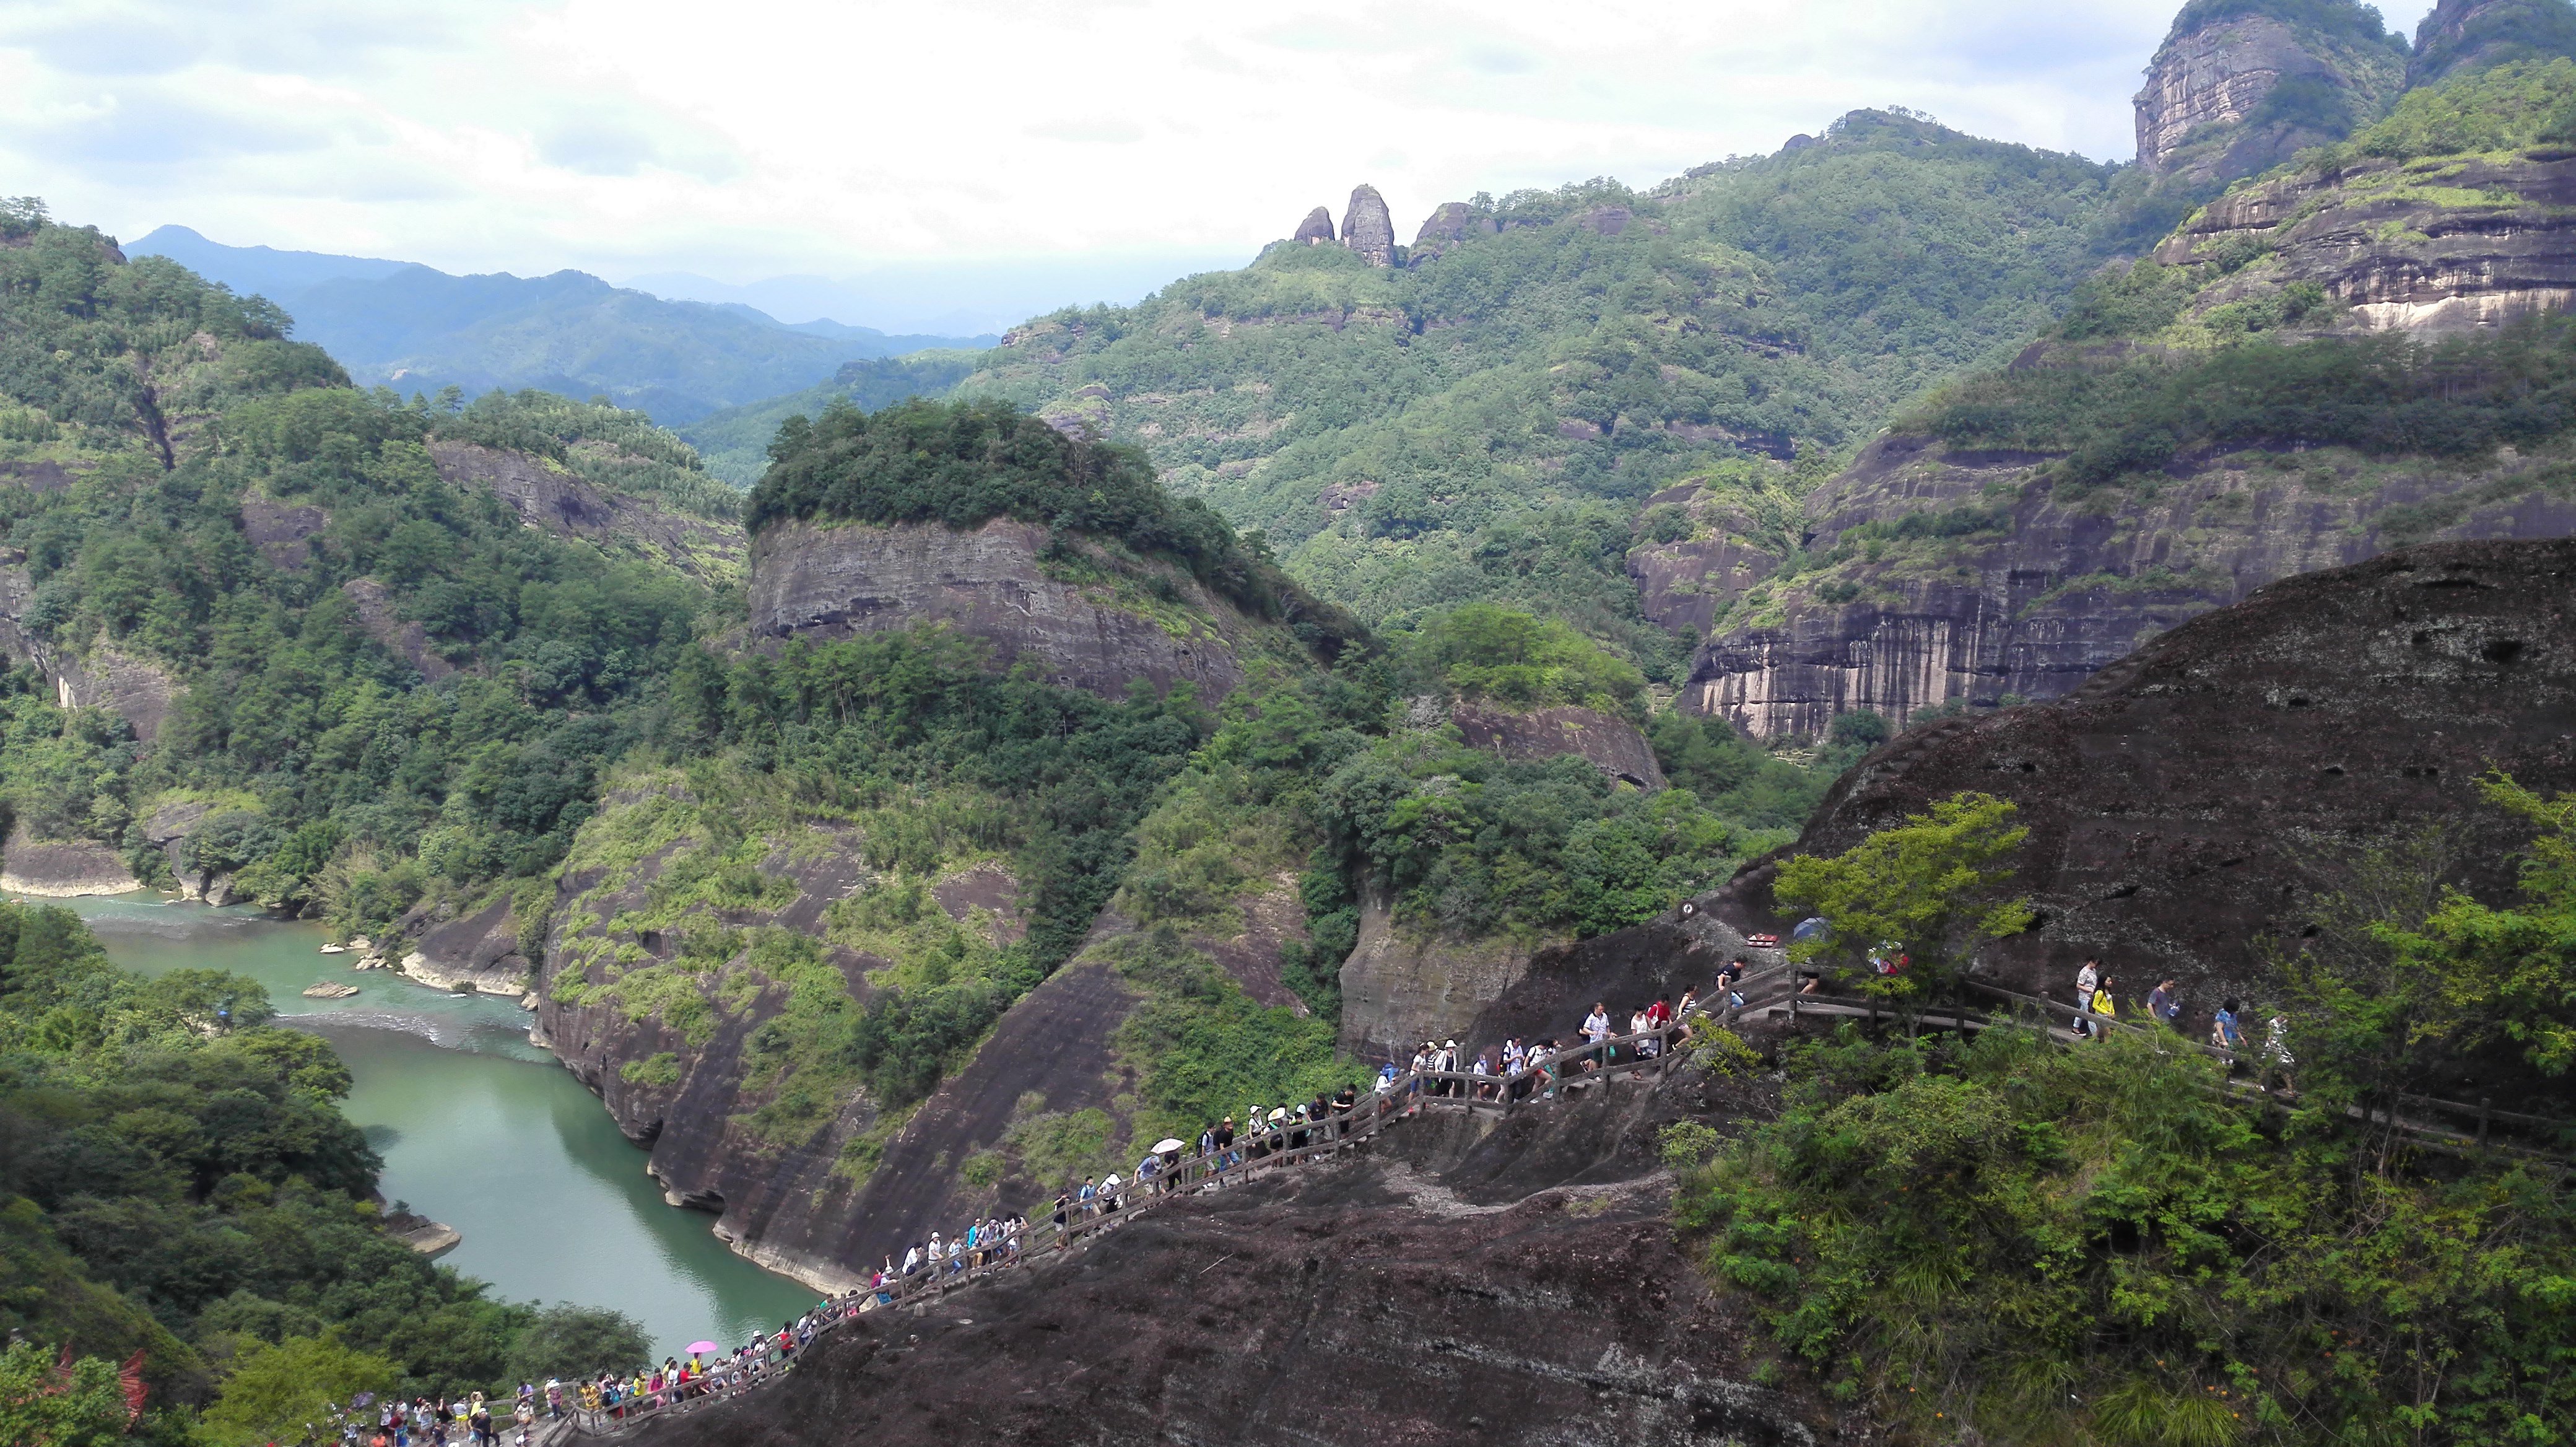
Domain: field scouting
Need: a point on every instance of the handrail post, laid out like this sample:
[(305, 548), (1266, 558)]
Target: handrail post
[(2485, 1104)]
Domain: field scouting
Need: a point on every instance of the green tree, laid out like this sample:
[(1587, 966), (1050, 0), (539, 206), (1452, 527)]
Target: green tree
[(571, 1341), (40, 1408), (2504, 973), (1932, 885), (289, 1392)]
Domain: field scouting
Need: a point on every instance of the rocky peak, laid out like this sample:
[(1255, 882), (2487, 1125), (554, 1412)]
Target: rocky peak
[(2465, 35), (2235, 89), (1368, 229), (1316, 229), (1452, 223)]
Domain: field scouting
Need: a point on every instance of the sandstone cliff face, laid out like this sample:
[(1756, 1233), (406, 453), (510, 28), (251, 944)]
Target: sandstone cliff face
[(1368, 229), (2501, 245), (565, 505), (832, 582), (134, 689), (2187, 803), (2203, 112), (1400, 989), (2041, 592)]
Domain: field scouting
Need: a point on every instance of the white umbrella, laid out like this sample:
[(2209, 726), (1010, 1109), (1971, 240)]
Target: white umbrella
[(1166, 1144)]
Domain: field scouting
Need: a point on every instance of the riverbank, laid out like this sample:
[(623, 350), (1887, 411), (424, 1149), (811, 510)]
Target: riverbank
[(480, 1130)]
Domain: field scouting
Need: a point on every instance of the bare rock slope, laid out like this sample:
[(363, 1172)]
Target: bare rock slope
[(2186, 804)]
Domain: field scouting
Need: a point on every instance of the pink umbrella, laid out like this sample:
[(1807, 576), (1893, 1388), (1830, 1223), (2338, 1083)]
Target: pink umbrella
[(701, 1348)]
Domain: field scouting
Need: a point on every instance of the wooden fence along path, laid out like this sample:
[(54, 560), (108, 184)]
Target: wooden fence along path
[(1769, 993)]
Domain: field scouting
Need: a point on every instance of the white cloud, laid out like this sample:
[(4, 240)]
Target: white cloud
[(802, 136)]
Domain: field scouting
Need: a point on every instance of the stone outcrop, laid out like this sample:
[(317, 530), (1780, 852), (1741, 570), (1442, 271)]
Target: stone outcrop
[(1612, 745), (17, 596), (477, 951), (1400, 988), (134, 689), (813, 581), (400, 636), (1445, 227), (1367, 228), (169, 830), (283, 532), (1316, 229), (2036, 593), (50, 869), (2203, 112), (2501, 246), (2465, 35), (2187, 804), (551, 498)]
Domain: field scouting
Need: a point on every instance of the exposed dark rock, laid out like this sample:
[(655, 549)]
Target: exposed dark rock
[(1451, 223), (401, 637), (1368, 229), (548, 497), (479, 951), (1612, 745), (810, 581), (41, 475), (2464, 35), (1316, 229), (1360, 1303), (61, 869), (2186, 804), (282, 532)]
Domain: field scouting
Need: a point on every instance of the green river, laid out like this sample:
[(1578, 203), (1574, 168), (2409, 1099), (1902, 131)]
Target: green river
[(479, 1129)]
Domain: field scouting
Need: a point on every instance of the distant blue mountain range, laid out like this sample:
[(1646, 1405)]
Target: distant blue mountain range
[(416, 328)]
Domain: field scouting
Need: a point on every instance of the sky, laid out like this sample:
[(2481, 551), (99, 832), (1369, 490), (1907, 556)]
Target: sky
[(762, 138)]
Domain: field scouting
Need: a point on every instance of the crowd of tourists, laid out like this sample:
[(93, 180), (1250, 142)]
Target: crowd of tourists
[(2097, 1003)]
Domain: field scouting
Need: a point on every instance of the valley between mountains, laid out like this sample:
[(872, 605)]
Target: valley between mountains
[(1174, 711)]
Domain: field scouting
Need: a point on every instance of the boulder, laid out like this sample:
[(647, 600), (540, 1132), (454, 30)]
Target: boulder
[(1316, 229)]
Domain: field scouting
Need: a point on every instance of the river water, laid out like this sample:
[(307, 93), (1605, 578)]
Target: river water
[(479, 1129)]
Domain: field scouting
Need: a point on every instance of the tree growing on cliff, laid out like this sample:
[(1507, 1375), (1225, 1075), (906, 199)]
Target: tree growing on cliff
[(1933, 885)]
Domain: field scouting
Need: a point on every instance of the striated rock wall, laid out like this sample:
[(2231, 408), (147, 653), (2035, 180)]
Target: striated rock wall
[(2187, 803), (2203, 114), (134, 689), (2054, 588), (477, 951), (831, 582), (2500, 246)]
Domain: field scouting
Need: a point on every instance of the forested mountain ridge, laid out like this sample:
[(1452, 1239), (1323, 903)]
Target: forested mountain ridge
[(2355, 352), (341, 670), (1481, 421), (420, 329)]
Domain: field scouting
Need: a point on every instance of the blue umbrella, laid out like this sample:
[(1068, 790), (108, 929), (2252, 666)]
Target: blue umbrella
[(1813, 927)]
